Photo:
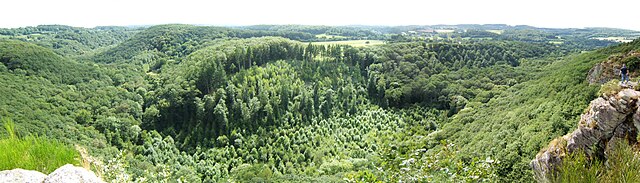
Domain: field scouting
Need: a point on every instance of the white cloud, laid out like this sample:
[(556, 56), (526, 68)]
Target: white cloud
[(541, 13)]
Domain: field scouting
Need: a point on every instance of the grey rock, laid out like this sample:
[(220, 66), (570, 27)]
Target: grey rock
[(546, 161), (619, 135), (636, 117), (606, 122), (71, 174), (20, 176), (601, 73)]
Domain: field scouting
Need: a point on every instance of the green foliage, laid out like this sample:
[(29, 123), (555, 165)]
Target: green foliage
[(260, 92), (29, 59), (33, 153), (320, 32), (211, 104), (66, 40), (362, 176), (578, 168), (176, 41), (334, 166), (402, 74), (9, 127), (36, 153), (253, 173), (610, 88), (621, 48), (633, 62), (621, 165), (444, 163), (514, 125)]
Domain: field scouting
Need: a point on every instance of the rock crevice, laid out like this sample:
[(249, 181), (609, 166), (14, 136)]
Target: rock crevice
[(608, 119)]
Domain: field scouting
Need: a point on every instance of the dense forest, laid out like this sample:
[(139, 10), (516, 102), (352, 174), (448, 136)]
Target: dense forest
[(281, 103)]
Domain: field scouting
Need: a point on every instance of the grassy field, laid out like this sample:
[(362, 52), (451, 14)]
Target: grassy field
[(325, 36), (354, 43)]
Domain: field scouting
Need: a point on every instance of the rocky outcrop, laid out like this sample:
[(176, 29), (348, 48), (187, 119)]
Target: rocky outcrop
[(608, 119), (65, 174), (603, 72), (20, 175), (610, 68)]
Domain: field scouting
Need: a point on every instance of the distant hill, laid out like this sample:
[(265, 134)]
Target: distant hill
[(177, 40), (70, 41), (30, 59)]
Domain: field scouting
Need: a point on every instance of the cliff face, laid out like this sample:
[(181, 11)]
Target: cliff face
[(603, 72), (608, 119)]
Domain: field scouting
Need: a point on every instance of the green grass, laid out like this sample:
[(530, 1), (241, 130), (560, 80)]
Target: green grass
[(622, 165), (354, 43), (33, 153)]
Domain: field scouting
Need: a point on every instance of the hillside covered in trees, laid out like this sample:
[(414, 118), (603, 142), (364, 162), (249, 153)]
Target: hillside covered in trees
[(270, 103)]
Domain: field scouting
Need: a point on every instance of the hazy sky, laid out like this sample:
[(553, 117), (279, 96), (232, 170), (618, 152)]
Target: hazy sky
[(540, 13)]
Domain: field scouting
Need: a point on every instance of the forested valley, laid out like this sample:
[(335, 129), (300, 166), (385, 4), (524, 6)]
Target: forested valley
[(298, 103)]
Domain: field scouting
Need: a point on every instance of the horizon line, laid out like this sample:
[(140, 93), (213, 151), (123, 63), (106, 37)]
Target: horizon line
[(346, 25)]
